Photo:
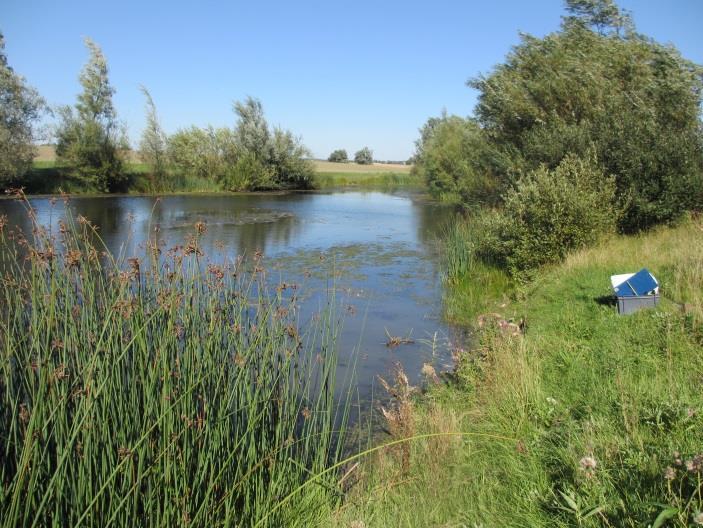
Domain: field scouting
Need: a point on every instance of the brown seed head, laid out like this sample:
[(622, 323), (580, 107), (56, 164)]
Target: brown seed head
[(73, 258)]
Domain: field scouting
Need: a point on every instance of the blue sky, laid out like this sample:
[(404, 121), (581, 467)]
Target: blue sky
[(341, 74)]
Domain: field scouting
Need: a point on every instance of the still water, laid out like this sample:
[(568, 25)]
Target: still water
[(376, 250)]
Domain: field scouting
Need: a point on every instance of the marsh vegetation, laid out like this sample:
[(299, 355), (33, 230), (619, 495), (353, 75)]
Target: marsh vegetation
[(168, 387)]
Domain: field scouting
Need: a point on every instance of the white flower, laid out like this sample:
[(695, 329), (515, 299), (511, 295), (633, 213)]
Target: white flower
[(588, 463)]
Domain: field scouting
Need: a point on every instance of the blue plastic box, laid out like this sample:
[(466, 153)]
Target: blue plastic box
[(635, 291)]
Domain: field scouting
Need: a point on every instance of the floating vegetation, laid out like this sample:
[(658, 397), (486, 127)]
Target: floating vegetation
[(394, 341)]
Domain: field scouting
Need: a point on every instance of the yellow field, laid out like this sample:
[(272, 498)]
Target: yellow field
[(328, 166), (47, 153)]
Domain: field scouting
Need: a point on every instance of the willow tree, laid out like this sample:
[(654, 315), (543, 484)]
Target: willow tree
[(152, 146), (364, 156), (20, 106), (89, 135), (593, 87)]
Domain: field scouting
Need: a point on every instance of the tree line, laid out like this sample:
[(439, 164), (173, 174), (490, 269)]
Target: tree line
[(91, 143), (592, 128)]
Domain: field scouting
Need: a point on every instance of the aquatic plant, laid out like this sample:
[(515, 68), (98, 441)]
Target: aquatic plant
[(159, 390)]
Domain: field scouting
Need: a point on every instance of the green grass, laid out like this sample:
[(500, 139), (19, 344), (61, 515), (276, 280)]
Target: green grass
[(474, 287), (47, 178), (168, 389), (583, 387), (325, 180)]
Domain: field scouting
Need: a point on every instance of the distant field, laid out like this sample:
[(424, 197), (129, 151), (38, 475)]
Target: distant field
[(47, 153), (328, 166), (326, 180)]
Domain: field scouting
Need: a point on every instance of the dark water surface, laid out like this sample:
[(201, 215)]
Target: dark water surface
[(377, 250)]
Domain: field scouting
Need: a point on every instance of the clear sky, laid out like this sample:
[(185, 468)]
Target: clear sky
[(341, 74)]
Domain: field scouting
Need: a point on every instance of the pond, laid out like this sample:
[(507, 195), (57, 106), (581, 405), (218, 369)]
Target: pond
[(376, 251)]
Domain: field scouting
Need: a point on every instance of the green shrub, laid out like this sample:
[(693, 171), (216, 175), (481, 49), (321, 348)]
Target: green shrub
[(548, 214), (451, 157), (632, 101), (248, 173)]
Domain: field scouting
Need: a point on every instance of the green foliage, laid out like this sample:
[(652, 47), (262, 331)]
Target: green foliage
[(379, 180), (603, 15), (289, 160), (89, 139), (249, 157), (451, 158), (20, 106), (587, 419), (338, 156), (252, 131), (203, 152), (248, 172), (548, 214), (364, 156), (634, 102), (595, 86), (152, 147), (136, 393)]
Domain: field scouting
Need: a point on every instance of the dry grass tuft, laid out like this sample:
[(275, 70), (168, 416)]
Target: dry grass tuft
[(399, 415)]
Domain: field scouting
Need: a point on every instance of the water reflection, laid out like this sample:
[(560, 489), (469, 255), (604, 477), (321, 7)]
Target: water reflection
[(374, 250)]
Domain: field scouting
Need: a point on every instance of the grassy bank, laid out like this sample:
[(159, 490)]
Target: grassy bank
[(46, 177), (169, 388), (326, 180), (588, 419)]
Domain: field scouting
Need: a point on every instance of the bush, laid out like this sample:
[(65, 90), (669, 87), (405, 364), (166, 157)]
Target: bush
[(250, 157), (201, 152), (548, 214), (634, 102), (248, 173), (20, 109), (451, 158), (289, 161)]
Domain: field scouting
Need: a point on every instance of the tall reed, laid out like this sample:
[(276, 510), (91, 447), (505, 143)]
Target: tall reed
[(161, 390), (459, 249)]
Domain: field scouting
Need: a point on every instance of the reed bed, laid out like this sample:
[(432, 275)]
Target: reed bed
[(473, 286), (165, 389)]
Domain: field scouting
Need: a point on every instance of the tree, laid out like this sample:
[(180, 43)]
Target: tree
[(20, 107), (633, 102), (451, 157), (89, 135), (206, 153), (152, 147), (249, 157), (338, 156), (290, 161), (364, 156), (252, 131), (603, 15)]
